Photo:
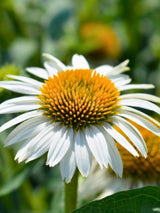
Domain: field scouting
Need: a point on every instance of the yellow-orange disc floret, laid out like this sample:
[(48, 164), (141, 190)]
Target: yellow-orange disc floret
[(77, 98), (143, 168)]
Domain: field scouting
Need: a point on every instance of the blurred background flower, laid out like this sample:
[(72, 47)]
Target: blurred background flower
[(100, 40), (106, 32)]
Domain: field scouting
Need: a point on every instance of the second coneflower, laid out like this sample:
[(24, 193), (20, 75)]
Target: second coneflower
[(71, 115)]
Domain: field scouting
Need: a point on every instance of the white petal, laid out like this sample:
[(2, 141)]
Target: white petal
[(51, 70), (120, 139), (58, 132), (33, 147), (141, 121), (104, 70), (143, 96), (120, 77), (40, 144), (136, 86), (122, 67), (97, 145), (60, 145), (132, 133), (55, 62), (39, 72), (82, 153), (21, 100), (140, 103), (19, 87), (79, 62), (26, 129), (147, 117), (26, 80), (108, 70), (68, 164), (19, 119), (120, 80), (114, 157), (22, 154), (14, 108)]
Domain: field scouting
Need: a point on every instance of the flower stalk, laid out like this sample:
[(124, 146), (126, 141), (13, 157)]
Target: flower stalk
[(71, 192)]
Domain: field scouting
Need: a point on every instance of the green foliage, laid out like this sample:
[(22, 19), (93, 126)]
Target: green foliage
[(144, 200), (18, 178), (4, 71), (8, 69)]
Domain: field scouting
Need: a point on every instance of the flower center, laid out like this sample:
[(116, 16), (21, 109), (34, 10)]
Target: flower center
[(78, 98), (140, 167)]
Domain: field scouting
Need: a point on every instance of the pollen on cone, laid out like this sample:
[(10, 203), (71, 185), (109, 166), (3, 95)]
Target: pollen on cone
[(77, 98)]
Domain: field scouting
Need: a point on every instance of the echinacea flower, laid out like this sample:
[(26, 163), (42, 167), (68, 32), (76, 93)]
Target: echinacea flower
[(72, 113), (102, 38), (137, 171)]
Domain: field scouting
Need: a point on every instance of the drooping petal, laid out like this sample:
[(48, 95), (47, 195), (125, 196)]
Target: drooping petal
[(39, 72), (147, 117), (20, 100), (19, 87), (141, 121), (113, 155), (140, 103), (13, 108), (55, 62), (79, 62), (82, 153), (132, 133), (22, 154), (26, 129), (34, 146), (61, 143), (120, 139), (20, 119), (135, 86), (40, 143), (31, 81), (97, 145), (68, 164), (142, 96)]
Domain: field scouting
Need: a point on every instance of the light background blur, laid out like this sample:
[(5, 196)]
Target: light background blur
[(104, 31)]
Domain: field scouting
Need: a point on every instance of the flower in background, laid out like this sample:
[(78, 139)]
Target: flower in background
[(72, 114), (137, 171), (101, 38)]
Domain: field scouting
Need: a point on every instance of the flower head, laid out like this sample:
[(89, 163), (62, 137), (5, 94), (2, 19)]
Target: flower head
[(72, 113)]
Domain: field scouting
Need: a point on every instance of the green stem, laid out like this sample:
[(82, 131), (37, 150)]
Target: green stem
[(71, 191)]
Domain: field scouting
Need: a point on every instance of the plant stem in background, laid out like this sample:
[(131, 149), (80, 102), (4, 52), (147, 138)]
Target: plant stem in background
[(71, 194)]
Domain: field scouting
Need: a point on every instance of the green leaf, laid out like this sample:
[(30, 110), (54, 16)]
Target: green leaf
[(143, 200), (19, 177)]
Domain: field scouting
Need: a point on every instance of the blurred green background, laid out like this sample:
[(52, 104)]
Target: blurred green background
[(104, 31)]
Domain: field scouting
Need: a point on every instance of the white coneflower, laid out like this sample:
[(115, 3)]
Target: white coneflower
[(71, 115)]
